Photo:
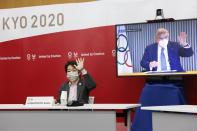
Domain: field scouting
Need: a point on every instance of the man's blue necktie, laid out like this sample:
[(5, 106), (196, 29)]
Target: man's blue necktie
[(163, 60)]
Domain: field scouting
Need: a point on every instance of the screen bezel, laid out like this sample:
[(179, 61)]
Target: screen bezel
[(141, 74)]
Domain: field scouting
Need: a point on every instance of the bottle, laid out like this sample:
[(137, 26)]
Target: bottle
[(63, 98)]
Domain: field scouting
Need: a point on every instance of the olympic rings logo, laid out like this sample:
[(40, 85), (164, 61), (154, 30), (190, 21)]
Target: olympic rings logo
[(123, 49)]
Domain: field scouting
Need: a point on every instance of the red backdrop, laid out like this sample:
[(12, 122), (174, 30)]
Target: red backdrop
[(33, 76)]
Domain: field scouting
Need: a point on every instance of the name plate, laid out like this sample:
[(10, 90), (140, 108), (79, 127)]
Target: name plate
[(40, 101)]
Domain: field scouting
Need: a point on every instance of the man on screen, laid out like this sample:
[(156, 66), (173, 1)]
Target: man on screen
[(164, 55), (77, 89)]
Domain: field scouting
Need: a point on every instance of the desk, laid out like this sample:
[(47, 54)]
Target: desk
[(174, 118), (19, 117)]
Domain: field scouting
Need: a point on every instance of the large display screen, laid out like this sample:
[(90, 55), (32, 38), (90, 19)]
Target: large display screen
[(165, 48)]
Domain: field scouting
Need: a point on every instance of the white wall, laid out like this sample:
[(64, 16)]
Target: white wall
[(92, 14), (132, 11)]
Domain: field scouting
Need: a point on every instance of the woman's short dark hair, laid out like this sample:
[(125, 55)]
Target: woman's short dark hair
[(72, 63)]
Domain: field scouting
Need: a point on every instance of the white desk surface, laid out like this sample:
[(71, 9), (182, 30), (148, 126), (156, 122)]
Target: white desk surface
[(86, 106), (173, 108)]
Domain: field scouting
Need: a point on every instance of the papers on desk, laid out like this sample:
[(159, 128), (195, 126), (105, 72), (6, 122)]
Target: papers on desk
[(171, 71)]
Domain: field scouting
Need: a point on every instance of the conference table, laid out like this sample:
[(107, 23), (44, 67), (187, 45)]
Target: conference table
[(173, 118), (89, 117)]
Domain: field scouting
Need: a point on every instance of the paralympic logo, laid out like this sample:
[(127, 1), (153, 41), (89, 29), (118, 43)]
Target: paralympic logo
[(122, 47)]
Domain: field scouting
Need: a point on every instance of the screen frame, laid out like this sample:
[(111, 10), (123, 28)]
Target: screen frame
[(142, 74)]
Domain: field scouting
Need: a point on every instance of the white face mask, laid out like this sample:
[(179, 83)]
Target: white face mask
[(163, 43), (72, 75)]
